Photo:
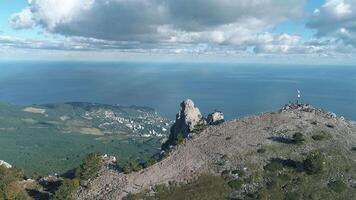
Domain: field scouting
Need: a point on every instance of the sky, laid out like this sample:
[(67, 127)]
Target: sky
[(247, 31)]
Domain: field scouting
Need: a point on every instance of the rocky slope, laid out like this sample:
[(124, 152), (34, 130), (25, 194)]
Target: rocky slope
[(249, 145)]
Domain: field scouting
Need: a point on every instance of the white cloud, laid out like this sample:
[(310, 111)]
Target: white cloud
[(216, 21), (225, 27), (24, 19), (336, 19)]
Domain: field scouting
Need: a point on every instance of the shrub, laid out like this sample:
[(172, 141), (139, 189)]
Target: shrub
[(320, 136), (90, 167), (10, 189), (337, 186), (353, 149), (200, 128), (261, 150), (235, 184), (149, 162), (313, 164), (238, 172), (298, 138), (180, 138), (292, 196), (132, 166), (274, 166), (66, 190)]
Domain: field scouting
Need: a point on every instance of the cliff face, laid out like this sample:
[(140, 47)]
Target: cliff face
[(284, 138)]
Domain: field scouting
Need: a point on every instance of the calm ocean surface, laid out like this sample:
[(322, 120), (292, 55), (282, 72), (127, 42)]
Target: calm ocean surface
[(236, 89)]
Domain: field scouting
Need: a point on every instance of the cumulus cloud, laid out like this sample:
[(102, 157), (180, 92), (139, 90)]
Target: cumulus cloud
[(185, 26), (217, 21), (337, 19)]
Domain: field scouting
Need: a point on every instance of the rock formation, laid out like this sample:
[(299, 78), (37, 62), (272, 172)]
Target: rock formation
[(215, 118), (5, 164), (187, 119)]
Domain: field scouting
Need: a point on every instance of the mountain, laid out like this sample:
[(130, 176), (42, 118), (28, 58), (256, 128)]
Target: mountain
[(53, 138), (298, 152)]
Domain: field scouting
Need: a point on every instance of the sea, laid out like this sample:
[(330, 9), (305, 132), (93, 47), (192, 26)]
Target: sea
[(237, 90)]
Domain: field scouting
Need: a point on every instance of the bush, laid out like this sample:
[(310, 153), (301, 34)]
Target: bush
[(149, 163), (200, 128), (90, 167), (313, 164), (261, 150), (239, 172), (235, 184), (320, 136), (10, 189), (180, 138), (66, 190), (292, 196), (274, 166), (132, 166), (337, 186), (298, 138)]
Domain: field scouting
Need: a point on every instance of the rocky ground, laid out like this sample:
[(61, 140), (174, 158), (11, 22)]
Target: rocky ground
[(237, 144)]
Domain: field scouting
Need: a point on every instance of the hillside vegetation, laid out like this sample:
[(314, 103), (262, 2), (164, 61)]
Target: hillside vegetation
[(54, 138)]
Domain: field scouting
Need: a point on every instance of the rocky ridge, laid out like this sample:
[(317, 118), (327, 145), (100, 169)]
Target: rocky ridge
[(234, 144)]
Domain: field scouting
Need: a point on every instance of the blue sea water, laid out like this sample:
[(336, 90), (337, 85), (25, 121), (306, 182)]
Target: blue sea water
[(236, 89)]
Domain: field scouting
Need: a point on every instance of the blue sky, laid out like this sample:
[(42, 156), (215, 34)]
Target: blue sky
[(245, 30)]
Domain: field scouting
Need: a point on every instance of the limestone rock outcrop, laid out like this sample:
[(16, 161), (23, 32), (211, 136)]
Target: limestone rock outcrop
[(187, 119), (5, 164), (214, 118)]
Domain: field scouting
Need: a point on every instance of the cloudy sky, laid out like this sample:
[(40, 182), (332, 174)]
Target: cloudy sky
[(293, 31)]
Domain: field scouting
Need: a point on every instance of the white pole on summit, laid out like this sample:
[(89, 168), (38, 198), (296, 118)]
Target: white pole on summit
[(298, 95)]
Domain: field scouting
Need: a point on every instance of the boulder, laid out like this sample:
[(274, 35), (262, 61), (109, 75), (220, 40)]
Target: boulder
[(5, 164), (215, 118)]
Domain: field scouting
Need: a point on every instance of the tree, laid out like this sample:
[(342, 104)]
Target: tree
[(65, 191), (90, 167)]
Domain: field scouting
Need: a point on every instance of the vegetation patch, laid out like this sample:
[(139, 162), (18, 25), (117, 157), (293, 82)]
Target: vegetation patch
[(180, 139), (90, 167), (322, 135), (132, 166), (261, 150), (314, 162), (236, 184), (207, 187), (337, 186), (200, 128), (298, 138), (66, 190), (10, 189)]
